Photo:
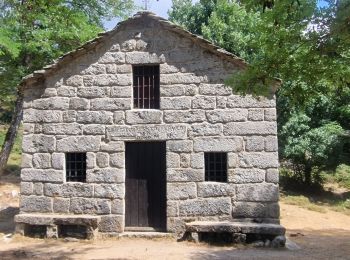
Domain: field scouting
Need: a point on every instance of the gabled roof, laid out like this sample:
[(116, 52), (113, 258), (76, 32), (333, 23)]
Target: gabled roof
[(40, 75)]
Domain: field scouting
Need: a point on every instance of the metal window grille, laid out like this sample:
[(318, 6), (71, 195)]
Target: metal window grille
[(215, 167), (76, 167), (146, 86)]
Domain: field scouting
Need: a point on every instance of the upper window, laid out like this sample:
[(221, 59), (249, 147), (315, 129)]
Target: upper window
[(146, 86), (76, 167), (216, 167)]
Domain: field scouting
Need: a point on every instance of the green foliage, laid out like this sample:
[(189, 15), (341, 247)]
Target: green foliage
[(305, 46), (341, 176), (35, 32)]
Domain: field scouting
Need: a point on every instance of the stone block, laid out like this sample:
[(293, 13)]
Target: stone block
[(90, 160), (118, 117), (272, 175), (143, 58), (106, 175), (147, 132), (250, 102), (117, 160), (239, 175), (175, 103), (111, 191), (28, 128), (35, 204), (117, 206), (205, 207), (89, 206), (208, 144), (26, 160), (221, 102), (61, 205), (197, 160), (42, 116), (191, 116), (270, 114), (172, 90), (74, 81), (110, 104), (94, 129), (172, 160), (58, 161), (258, 160), (144, 117), (250, 128), (115, 146), (93, 69), (256, 114), (271, 144), (273, 210), (185, 175), (62, 129), (26, 188), (179, 146), (254, 143), (79, 144), (38, 188), (69, 116), (216, 189), (214, 90), (203, 102), (49, 92), (111, 224), (181, 191), (121, 92), (225, 116), (167, 68), (47, 175), (232, 160), (65, 91), (172, 209), (112, 57), (185, 160), (205, 129), (102, 159), (95, 117), (117, 69), (257, 192), (69, 190), (52, 103), (93, 92), (249, 210), (79, 104)]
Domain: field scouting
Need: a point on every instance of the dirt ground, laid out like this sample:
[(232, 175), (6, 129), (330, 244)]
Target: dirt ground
[(311, 235)]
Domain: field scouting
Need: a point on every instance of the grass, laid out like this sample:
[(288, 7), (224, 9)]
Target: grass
[(340, 176), (14, 162)]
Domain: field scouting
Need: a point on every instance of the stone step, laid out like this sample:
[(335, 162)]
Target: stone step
[(235, 227), (147, 235)]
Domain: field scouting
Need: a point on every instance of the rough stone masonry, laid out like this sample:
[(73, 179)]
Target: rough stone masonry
[(83, 103)]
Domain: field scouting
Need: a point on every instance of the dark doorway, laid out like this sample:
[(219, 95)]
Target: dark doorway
[(145, 198)]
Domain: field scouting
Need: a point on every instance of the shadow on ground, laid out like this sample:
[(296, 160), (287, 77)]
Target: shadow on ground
[(7, 224)]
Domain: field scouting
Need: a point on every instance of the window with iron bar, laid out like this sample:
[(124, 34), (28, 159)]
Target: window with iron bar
[(146, 86), (76, 167), (215, 166)]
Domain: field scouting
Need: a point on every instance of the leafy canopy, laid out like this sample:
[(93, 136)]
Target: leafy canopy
[(35, 32)]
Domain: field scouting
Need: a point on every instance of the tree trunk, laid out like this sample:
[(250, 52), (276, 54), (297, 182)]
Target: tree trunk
[(11, 132)]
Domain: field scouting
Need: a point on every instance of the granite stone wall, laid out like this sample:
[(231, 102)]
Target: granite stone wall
[(87, 106)]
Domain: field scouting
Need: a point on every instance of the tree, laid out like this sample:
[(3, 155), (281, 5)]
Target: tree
[(34, 33), (304, 45)]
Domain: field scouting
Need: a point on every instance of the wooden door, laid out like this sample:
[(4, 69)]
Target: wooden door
[(145, 198)]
